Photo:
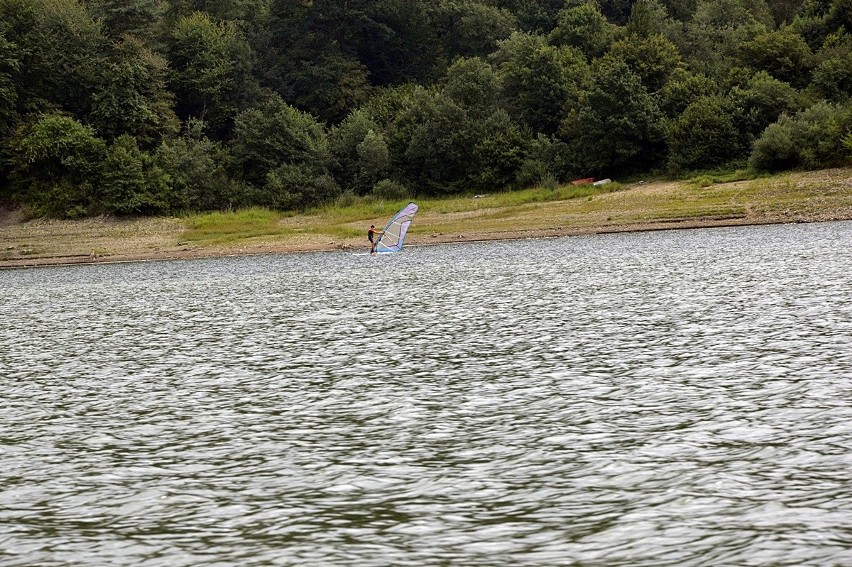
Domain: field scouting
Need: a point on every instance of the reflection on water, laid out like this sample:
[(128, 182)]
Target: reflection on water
[(645, 399)]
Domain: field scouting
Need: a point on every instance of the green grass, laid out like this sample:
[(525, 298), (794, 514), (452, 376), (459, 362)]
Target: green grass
[(347, 216), (708, 178), (229, 227), (710, 194)]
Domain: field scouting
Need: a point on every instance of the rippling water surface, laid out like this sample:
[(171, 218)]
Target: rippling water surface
[(671, 398)]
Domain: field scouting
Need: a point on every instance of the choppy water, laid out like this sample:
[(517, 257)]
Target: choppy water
[(672, 398)]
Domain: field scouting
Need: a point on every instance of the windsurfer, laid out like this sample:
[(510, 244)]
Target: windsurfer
[(372, 233)]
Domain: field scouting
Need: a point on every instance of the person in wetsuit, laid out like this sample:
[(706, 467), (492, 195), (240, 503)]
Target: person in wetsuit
[(371, 234)]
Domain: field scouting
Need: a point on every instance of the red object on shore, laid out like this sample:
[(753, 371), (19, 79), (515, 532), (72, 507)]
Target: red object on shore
[(584, 181)]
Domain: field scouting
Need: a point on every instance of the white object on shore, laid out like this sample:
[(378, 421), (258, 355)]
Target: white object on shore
[(602, 182)]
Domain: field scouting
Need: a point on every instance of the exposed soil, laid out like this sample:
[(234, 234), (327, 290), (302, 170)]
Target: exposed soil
[(802, 197)]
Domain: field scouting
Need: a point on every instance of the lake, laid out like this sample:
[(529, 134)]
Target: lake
[(662, 398)]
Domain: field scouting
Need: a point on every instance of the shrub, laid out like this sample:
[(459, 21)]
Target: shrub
[(811, 139), (390, 190)]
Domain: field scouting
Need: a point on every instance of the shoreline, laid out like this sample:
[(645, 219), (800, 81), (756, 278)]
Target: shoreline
[(273, 249), (799, 197)]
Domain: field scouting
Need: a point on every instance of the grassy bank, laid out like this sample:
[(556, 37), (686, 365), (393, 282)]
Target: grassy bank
[(565, 210)]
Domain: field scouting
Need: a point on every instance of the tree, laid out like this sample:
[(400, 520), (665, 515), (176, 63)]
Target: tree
[(133, 98), (404, 44), (615, 128), (499, 153), (703, 136), (782, 53), (313, 55), (55, 165), (813, 138), (211, 71), (717, 30), (195, 166), (440, 152), (534, 16), (653, 58), (122, 17), (681, 90), (539, 82), (131, 182), (275, 146), (832, 76), (650, 17), (359, 152), (472, 28), (329, 86), (9, 65), (59, 49), (759, 103), (472, 84), (400, 112), (585, 28)]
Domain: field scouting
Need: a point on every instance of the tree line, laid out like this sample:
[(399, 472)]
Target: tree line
[(166, 106)]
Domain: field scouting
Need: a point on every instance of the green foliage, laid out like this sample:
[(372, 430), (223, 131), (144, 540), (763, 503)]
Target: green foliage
[(295, 187), (120, 17), (274, 134), (346, 145), (585, 28), (545, 164), (616, 127), (832, 76), (759, 103), (653, 58), (283, 154), (681, 89), (211, 71), (373, 158), (811, 139), (401, 113), (441, 149), (782, 53), (703, 135), (195, 166), (58, 52), (534, 16), (9, 64), (472, 28), (55, 165), (499, 152), (133, 98), (472, 84), (132, 184), (390, 190), (650, 17), (329, 86), (718, 29), (539, 82), (174, 105)]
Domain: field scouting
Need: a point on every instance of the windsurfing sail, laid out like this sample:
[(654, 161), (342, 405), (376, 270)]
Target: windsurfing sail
[(394, 234)]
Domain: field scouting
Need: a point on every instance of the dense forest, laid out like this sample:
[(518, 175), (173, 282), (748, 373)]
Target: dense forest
[(167, 106)]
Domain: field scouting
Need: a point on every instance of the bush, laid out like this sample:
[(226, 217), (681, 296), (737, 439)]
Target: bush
[(812, 139), (775, 150), (390, 190)]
